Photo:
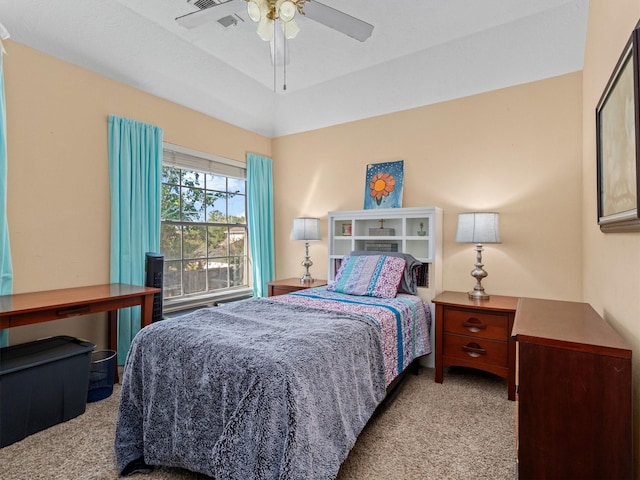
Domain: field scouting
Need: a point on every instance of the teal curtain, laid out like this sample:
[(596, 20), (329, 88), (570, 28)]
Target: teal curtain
[(260, 222), (135, 178), (6, 271)]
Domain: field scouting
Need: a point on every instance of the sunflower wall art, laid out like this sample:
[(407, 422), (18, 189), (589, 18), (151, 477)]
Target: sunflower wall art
[(383, 185)]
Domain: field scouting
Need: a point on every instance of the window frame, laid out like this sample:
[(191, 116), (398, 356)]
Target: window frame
[(176, 156)]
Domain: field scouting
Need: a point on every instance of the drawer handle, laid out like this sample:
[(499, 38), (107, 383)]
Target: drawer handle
[(473, 350), (73, 311), (474, 325)]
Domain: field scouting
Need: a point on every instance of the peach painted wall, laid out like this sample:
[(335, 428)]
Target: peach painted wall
[(516, 151), (526, 151), (612, 260), (58, 178)]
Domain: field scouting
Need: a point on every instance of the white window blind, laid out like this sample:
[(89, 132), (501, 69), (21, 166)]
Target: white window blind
[(181, 157)]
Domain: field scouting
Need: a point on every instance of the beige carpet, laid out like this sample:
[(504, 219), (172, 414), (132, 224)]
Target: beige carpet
[(461, 429)]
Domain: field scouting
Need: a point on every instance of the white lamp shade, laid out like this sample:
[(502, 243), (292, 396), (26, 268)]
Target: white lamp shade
[(265, 29), (291, 29), (305, 228), (254, 10), (478, 227), (286, 11)]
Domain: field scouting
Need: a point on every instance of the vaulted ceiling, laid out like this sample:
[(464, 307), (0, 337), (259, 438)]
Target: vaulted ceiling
[(420, 52)]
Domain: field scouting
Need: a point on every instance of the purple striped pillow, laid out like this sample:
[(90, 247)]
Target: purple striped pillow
[(372, 276)]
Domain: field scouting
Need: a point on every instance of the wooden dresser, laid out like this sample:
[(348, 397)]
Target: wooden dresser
[(574, 393), (477, 334)]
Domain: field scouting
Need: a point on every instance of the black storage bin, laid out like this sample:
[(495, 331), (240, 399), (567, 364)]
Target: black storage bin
[(42, 383), (102, 375)]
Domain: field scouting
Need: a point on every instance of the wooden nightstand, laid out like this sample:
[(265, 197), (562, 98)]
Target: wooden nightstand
[(288, 285), (477, 334)]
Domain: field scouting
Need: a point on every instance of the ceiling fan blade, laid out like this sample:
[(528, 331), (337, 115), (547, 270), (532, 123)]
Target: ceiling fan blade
[(337, 20), (215, 12)]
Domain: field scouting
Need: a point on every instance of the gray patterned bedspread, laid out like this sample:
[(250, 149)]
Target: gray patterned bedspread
[(255, 389)]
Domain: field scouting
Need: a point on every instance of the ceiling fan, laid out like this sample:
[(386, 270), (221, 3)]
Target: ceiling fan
[(311, 9)]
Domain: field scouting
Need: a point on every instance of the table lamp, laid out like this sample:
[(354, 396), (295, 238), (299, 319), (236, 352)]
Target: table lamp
[(305, 228), (478, 228)]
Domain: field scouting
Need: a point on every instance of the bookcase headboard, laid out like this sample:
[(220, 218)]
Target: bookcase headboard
[(417, 231)]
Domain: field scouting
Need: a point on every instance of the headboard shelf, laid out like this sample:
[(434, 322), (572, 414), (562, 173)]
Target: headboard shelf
[(416, 230)]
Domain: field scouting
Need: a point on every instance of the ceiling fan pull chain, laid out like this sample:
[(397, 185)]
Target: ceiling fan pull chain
[(284, 64), (275, 60)]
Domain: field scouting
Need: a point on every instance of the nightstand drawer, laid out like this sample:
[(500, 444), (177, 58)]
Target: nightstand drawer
[(281, 290), (476, 323), (475, 350), (289, 285)]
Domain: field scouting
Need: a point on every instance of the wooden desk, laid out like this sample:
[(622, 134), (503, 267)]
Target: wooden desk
[(28, 308), (575, 396)]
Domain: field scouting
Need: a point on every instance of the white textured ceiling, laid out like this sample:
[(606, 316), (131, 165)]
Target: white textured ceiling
[(421, 52)]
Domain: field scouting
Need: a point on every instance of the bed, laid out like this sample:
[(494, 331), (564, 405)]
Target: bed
[(268, 388)]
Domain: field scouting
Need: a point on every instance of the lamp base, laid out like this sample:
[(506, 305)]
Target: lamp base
[(478, 273), (306, 278), (478, 295)]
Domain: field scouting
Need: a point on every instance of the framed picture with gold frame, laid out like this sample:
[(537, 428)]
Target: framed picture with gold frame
[(618, 144)]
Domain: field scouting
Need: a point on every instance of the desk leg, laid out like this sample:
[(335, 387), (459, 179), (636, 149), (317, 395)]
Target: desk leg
[(146, 310), (146, 313), (112, 322)]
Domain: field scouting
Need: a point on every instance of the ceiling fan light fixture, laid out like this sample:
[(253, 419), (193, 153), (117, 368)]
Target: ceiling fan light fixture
[(291, 29), (265, 29), (287, 11), (254, 11)]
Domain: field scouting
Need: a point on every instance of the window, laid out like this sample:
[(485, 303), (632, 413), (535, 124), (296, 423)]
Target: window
[(203, 234)]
